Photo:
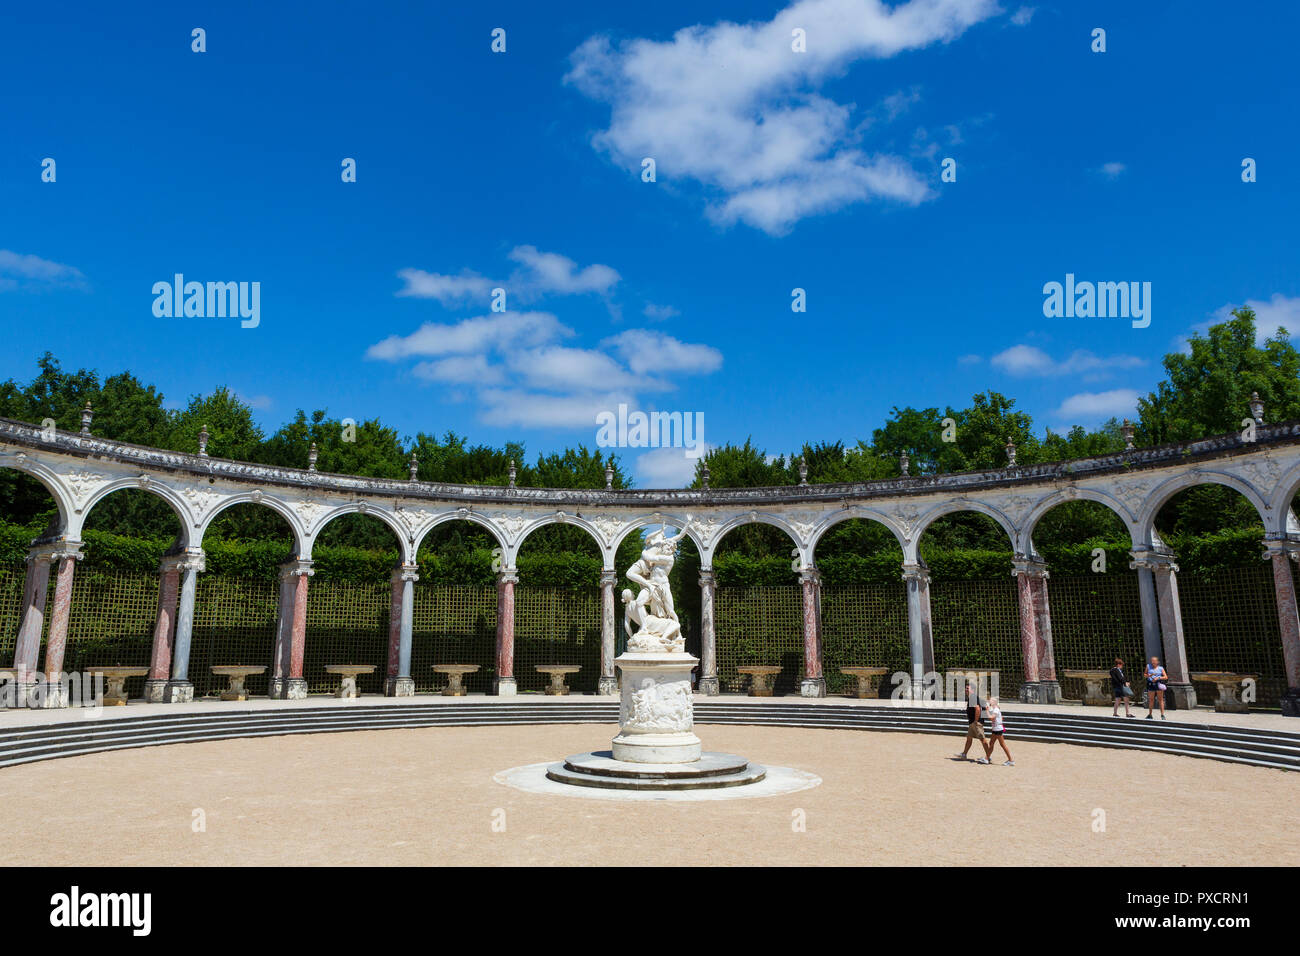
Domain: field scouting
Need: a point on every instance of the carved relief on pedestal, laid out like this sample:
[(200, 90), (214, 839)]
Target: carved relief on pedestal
[(657, 707)]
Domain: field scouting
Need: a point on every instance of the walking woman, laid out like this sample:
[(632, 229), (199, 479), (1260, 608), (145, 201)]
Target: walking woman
[(998, 735), (1156, 686), (1120, 689)]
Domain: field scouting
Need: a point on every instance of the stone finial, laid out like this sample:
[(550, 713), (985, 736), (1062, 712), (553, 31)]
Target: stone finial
[(704, 476), (1127, 431), (609, 477), (414, 466), (1011, 453), (803, 473), (1257, 408), (904, 463), (312, 454), (203, 442), (87, 416), (511, 472)]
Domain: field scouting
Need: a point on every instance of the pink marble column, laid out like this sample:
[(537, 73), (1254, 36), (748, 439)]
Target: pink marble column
[(28, 645), (57, 641), (1043, 621), (1281, 554), (298, 636), (1028, 633), (395, 625), (287, 681), (504, 684), (813, 684), (164, 631)]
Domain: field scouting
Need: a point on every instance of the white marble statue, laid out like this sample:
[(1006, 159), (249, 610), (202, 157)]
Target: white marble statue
[(651, 612)]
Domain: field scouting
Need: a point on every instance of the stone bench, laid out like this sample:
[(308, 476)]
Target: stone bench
[(1227, 683), (238, 673), (349, 672), (455, 677), (761, 677), (1097, 689), (558, 688), (115, 682), (868, 680)]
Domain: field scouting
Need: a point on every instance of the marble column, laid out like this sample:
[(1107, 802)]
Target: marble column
[(401, 617), (1040, 685), (920, 633), (27, 647), (179, 689), (291, 634), (56, 643), (1181, 695), (1151, 636), (503, 685), (164, 630), (283, 631), (709, 683), (608, 686), (1281, 553), (813, 683)]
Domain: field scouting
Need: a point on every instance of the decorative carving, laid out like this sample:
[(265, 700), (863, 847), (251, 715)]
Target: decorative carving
[(659, 708), (706, 529), (310, 512), (1263, 474), (511, 524), (804, 523), (201, 501), (608, 526), (82, 483), (1133, 493)]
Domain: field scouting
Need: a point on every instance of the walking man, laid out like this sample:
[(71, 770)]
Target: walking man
[(974, 729)]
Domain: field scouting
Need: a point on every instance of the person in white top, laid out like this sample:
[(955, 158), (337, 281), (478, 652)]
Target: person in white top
[(997, 735)]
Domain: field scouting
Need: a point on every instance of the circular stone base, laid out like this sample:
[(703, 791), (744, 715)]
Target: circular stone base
[(537, 778), (679, 749), (601, 769)]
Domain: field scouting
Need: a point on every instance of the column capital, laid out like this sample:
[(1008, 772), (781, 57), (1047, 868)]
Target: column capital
[(809, 575), (297, 567), (1281, 545), (916, 572), (608, 577), (1161, 562), (1034, 567), (511, 576), (707, 578), (190, 559), (54, 549), (406, 572)]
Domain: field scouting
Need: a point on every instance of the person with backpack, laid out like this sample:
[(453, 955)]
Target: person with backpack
[(1120, 689), (974, 729)]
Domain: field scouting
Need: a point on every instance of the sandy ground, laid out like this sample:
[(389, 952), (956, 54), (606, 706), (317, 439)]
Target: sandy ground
[(427, 796)]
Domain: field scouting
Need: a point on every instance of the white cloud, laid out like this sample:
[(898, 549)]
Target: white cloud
[(667, 467), (1112, 170), (658, 313), (646, 351), (969, 360), (1093, 407), (260, 402), (1026, 360), (731, 106), (478, 334), (449, 290), (460, 370), (1022, 16), (546, 272), (524, 409), (572, 370), (18, 270)]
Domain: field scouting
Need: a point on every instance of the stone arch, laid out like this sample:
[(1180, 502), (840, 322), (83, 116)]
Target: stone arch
[(403, 534), (446, 517), (850, 514), (956, 506), (1288, 487), (1160, 495), (557, 517), (666, 520), (301, 540), (760, 517), (179, 506), (52, 481), (1025, 543)]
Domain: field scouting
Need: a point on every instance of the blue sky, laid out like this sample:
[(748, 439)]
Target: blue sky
[(521, 170)]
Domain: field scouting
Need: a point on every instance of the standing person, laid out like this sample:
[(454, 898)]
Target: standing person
[(997, 734), (974, 729), (1156, 686), (1120, 689)]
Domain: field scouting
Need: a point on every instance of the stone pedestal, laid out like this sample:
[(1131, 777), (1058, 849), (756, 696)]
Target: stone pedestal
[(295, 688), (710, 686), (505, 687), (178, 692), (399, 687), (1291, 703), (812, 687), (656, 717), (1180, 697), (1050, 692), (155, 690), (607, 687)]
